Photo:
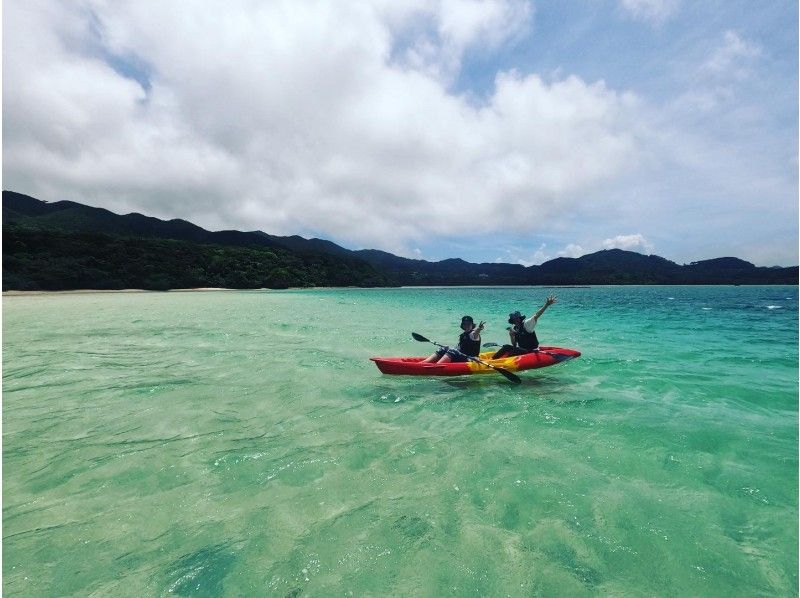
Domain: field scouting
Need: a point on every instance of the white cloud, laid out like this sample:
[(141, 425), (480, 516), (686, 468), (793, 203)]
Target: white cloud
[(733, 58), (716, 81), (296, 117), (635, 242), (654, 12), (519, 255), (572, 250), (542, 254), (433, 36)]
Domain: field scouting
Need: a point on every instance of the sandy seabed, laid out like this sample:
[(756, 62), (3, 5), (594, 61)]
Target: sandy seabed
[(85, 291)]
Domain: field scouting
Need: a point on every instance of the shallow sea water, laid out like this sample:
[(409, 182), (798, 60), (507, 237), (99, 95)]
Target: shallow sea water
[(241, 443)]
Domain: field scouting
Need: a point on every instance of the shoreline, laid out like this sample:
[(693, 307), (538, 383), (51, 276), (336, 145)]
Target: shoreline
[(13, 293)]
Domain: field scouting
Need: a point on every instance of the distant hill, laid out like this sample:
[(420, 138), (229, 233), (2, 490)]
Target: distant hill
[(65, 244), (611, 266)]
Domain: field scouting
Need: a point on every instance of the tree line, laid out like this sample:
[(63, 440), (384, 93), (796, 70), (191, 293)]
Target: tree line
[(48, 260)]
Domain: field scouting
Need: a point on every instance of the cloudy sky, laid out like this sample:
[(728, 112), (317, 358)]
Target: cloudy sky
[(497, 130)]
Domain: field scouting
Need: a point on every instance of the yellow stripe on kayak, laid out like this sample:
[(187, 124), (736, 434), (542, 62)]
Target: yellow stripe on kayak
[(507, 363)]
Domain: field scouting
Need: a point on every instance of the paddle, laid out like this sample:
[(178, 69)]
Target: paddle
[(508, 375)]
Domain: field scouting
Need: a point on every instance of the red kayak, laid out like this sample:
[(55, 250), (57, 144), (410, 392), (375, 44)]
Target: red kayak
[(413, 366)]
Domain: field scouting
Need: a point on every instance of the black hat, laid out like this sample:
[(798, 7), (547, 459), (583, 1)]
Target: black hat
[(514, 316), (467, 320)]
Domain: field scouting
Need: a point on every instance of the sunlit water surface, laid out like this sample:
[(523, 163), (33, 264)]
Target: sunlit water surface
[(242, 443)]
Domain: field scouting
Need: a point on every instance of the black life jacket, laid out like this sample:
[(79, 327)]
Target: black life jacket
[(525, 340), (468, 346)]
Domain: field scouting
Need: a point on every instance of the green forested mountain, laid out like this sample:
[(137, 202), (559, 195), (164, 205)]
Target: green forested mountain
[(67, 245)]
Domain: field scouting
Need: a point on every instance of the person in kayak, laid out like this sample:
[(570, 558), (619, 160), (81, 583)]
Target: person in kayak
[(469, 343), (521, 331)]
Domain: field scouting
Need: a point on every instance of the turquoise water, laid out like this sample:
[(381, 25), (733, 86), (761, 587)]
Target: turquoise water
[(241, 443)]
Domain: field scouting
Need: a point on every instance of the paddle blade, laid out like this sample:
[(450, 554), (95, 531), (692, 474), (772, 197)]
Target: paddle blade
[(512, 377), (419, 337)]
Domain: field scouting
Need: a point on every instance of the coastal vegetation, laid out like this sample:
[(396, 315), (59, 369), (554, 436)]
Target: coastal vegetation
[(52, 260)]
